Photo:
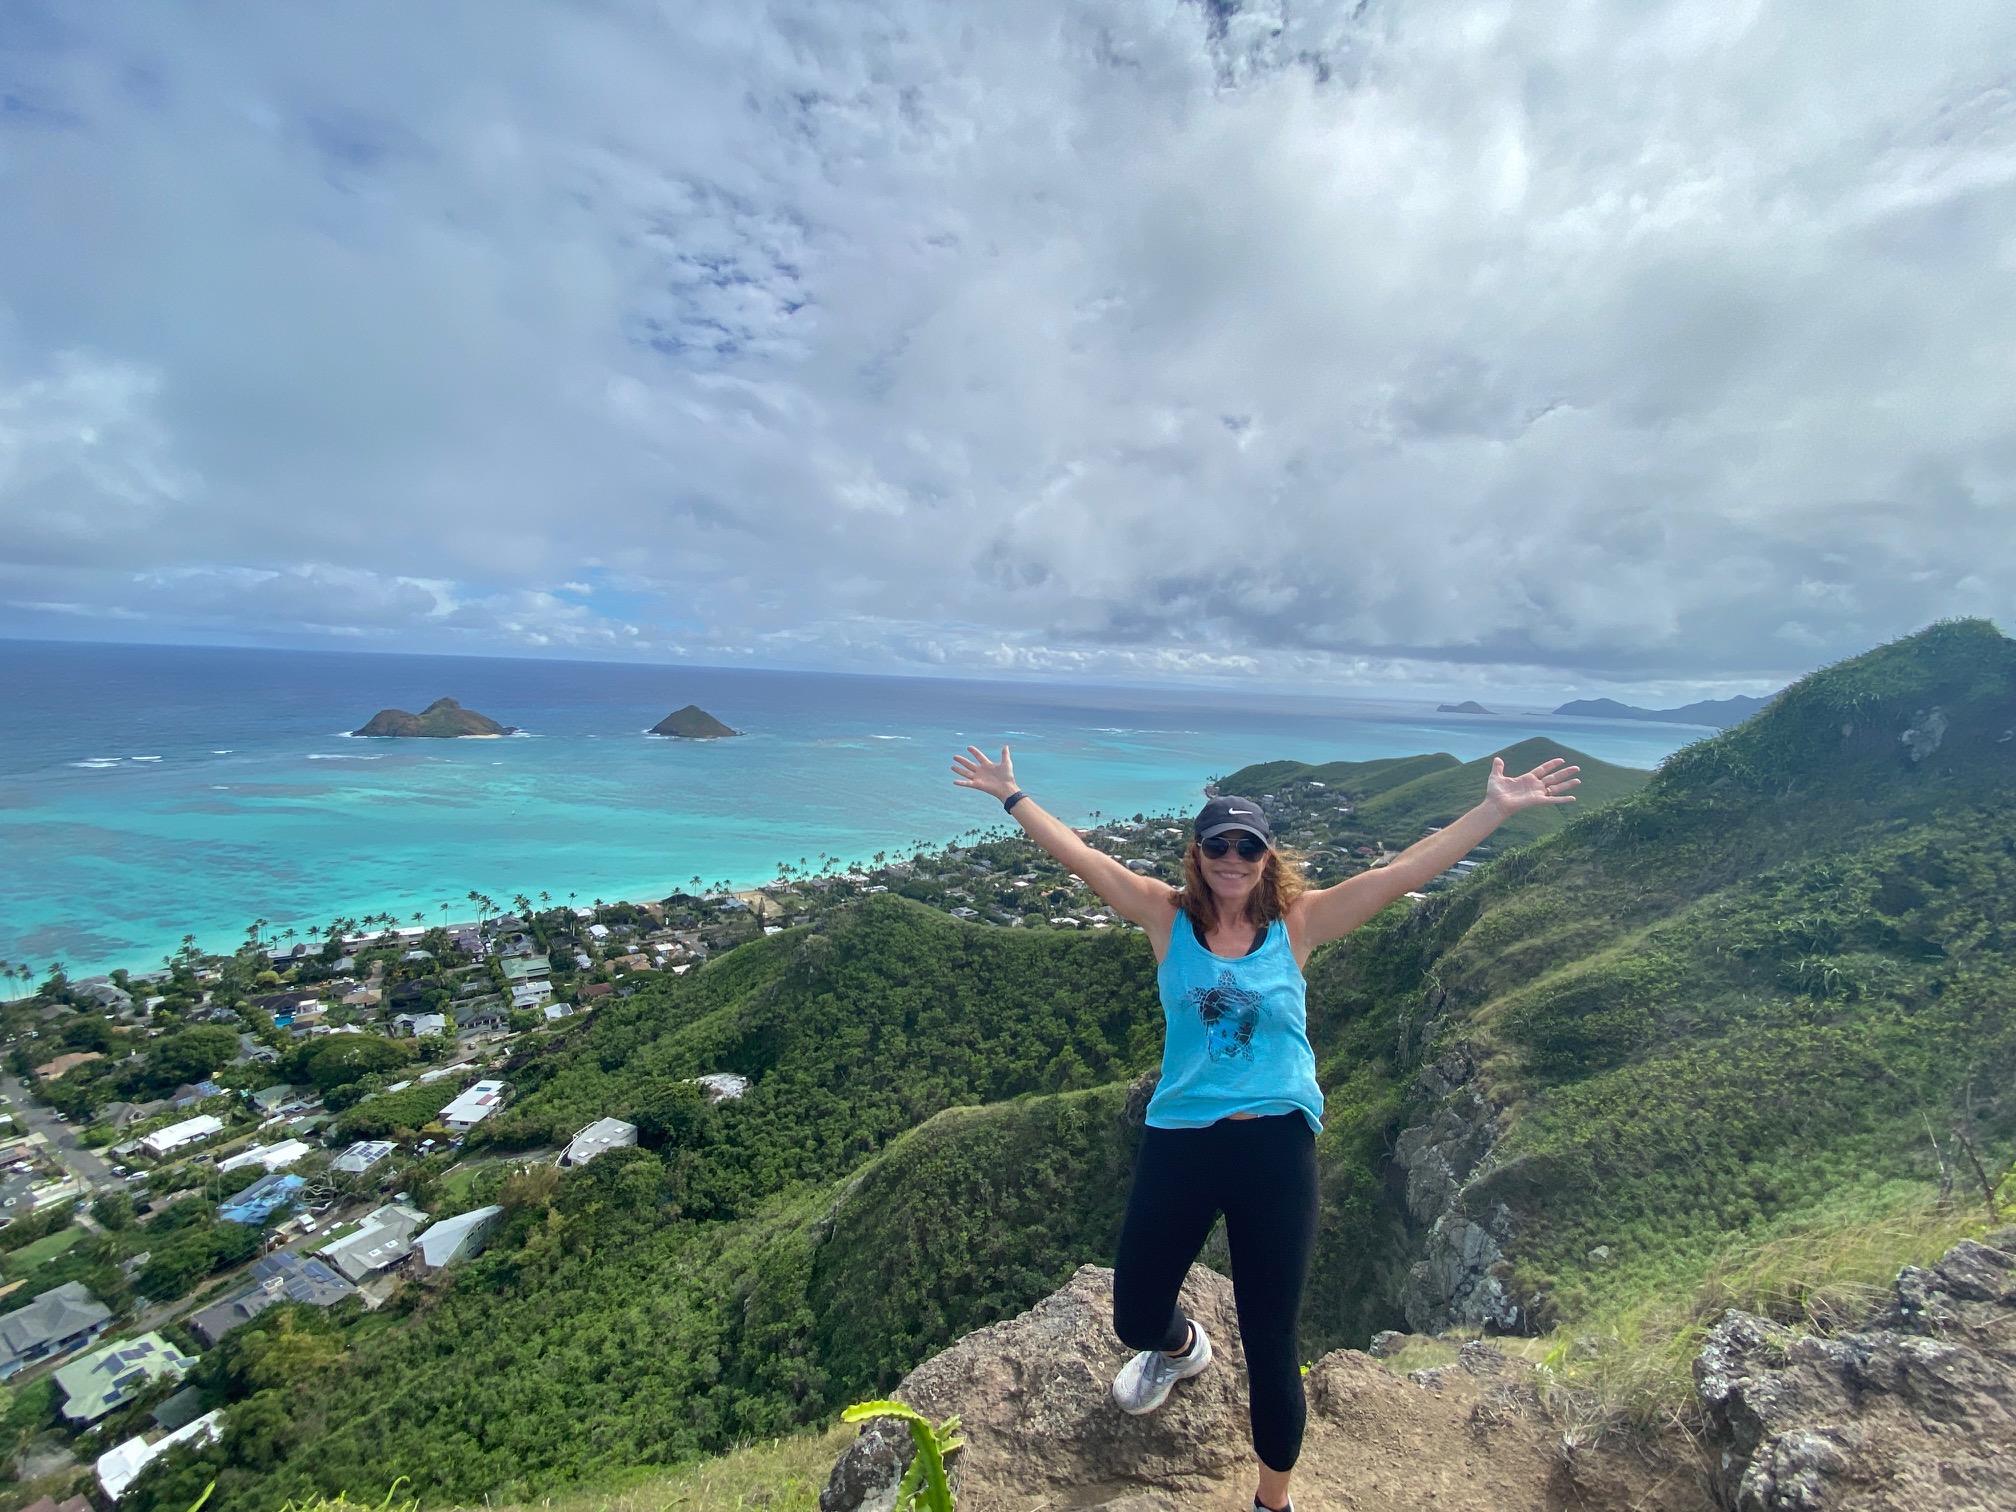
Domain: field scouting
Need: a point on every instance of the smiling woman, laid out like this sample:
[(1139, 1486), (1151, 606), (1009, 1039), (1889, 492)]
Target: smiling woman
[(1232, 1123)]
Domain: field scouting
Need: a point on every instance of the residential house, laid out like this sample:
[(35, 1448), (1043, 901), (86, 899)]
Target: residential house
[(261, 1200), (527, 969), (120, 1466), (275, 1157), (590, 991), (598, 1138), (62, 1319), (453, 1238), (473, 1106), (161, 1141), (269, 1102), (188, 1095), (531, 994), (50, 1504), (556, 1011), (414, 1025), (635, 961), (100, 990), (278, 1003), (362, 1155), (114, 1375), (384, 1238), (281, 1277), (50, 1070), (122, 1115), (481, 1018), (251, 1049)]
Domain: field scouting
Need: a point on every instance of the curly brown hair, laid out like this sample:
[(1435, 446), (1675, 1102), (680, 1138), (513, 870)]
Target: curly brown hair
[(1281, 882)]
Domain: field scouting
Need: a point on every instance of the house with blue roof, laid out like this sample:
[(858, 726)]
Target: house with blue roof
[(261, 1200)]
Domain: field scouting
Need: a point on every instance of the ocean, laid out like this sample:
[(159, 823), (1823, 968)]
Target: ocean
[(148, 793)]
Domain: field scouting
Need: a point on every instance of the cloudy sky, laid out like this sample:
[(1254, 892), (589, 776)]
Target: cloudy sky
[(1604, 345)]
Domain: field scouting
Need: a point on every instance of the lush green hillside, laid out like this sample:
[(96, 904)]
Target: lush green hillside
[(848, 1036), (1400, 797), (601, 1334), (1740, 996), (1356, 779)]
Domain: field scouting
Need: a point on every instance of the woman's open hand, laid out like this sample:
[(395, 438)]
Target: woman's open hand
[(1549, 782), (974, 770)]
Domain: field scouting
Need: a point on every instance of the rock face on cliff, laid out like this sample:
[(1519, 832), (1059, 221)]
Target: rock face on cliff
[(1915, 1410), (692, 723), (1460, 1280), (443, 719), (1042, 1431)]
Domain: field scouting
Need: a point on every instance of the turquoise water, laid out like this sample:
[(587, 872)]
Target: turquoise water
[(147, 793)]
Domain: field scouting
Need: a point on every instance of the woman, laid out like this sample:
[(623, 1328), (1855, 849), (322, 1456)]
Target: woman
[(1232, 1124)]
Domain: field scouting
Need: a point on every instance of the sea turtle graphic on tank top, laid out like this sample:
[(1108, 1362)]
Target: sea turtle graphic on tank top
[(1229, 1014)]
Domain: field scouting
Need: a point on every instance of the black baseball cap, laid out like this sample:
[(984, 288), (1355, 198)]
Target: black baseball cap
[(1222, 814)]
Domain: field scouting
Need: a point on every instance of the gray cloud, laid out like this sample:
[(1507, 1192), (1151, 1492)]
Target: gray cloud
[(1639, 345)]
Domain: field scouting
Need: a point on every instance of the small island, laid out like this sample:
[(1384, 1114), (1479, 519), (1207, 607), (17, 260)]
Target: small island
[(692, 723), (443, 719), (1468, 706)]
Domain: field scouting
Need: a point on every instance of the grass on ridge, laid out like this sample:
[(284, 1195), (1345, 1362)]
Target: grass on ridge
[(780, 1475), (1824, 1273)]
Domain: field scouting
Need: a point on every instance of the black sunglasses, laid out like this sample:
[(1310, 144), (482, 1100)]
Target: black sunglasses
[(1251, 847)]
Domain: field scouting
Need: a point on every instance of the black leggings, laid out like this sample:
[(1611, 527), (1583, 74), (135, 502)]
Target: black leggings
[(1261, 1173)]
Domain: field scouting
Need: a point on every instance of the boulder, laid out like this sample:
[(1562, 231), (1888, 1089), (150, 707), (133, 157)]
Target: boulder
[(1033, 1396), (1915, 1409)]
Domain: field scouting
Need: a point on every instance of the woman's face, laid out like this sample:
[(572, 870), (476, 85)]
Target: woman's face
[(1232, 877)]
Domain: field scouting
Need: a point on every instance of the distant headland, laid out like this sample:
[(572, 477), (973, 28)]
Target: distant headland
[(443, 719), (692, 723), (1720, 713), (1468, 706)]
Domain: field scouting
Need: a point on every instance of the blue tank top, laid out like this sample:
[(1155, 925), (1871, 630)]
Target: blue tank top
[(1236, 1037)]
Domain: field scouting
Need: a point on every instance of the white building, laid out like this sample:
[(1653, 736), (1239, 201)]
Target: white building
[(274, 1157), (598, 1138), (161, 1141), (453, 1238), (473, 1106), (121, 1465), (362, 1155)]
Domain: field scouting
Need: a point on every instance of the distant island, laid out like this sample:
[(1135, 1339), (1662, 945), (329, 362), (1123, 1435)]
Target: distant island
[(443, 719), (1720, 713), (1468, 706), (692, 723)]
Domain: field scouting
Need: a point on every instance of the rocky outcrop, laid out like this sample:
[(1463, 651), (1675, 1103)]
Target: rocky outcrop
[(443, 719), (692, 723), (1033, 1396), (1460, 1280), (1042, 1433), (1917, 1409)]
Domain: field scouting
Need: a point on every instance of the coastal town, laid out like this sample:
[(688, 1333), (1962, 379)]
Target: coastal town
[(302, 1119)]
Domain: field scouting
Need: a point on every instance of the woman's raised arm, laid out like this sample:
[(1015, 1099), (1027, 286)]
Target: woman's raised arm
[(1137, 899)]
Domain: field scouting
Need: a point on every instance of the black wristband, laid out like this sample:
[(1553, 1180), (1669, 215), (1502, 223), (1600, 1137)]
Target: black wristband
[(1012, 799)]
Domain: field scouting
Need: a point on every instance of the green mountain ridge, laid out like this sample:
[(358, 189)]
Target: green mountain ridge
[(1730, 1002), (1408, 794)]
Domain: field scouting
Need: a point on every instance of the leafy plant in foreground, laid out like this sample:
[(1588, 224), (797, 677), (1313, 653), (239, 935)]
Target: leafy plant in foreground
[(923, 1484)]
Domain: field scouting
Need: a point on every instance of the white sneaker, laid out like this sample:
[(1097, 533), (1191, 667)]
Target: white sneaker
[(1144, 1381)]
